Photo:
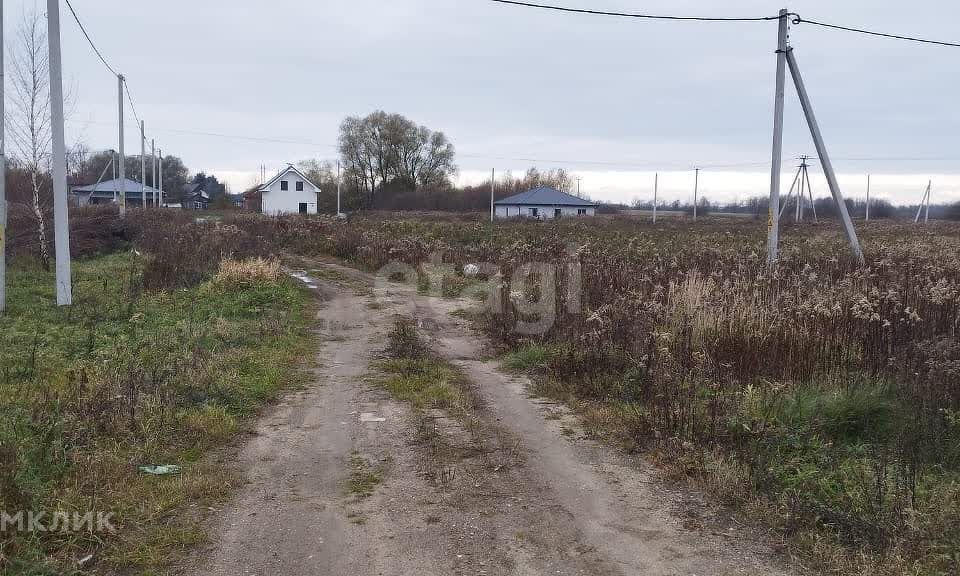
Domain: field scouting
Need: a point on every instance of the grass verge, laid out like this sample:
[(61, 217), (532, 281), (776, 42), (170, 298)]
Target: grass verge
[(123, 378), (808, 461)]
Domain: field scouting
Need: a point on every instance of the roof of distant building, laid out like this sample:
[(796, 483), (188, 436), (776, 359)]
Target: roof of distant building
[(544, 196)]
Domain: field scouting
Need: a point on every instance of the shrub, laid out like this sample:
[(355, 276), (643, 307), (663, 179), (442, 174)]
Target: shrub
[(250, 271)]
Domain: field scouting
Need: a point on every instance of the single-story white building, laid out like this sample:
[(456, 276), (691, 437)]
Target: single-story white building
[(289, 192), (543, 203)]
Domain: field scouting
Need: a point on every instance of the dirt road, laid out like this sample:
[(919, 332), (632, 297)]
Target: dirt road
[(343, 480)]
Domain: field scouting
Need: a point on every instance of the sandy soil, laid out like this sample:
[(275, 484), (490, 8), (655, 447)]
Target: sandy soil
[(515, 489)]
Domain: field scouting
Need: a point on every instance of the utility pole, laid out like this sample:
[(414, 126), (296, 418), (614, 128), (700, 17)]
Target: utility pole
[(143, 165), (3, 184), (786, 56), (800, 178), (121, 162), (153, 171), (696, 183), (868, 197), (824, 157), (813, 206), (799, 210), (578, 185), (113, 175), (924, 202), (61, 221), (493, 179), (160, 175), (262, 169), (773, 218), (656, 183)]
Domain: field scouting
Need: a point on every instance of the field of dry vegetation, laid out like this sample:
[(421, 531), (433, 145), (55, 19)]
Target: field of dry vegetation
[(821, 399)]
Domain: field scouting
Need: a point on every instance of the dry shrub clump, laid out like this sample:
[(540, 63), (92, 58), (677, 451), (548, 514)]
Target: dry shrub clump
[(249, 271), (185, 253)]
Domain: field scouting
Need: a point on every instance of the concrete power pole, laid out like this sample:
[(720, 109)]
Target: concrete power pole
[(773, 218), (61, 220), (338, 185), (824, 157), (160, 176), (868, 197), (143, 165), (924, 203), (696, 185), (3, 185), (153, 171), (785, 56), (121, 168), (656, 185)]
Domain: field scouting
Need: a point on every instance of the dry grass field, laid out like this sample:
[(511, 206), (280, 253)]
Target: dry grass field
[(821, 399)]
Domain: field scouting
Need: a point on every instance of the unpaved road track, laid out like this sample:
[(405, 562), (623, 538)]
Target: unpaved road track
[(538, 499)]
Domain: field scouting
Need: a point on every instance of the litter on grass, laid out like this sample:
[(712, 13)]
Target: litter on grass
[(161, 470)]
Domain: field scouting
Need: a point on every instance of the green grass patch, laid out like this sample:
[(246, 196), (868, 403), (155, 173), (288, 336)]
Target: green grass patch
[(127, 377), (363, 479), (414, 374), (528, 358), (424, 382)]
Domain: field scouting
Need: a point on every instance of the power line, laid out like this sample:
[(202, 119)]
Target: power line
[(126, 87), (636, 15), (219, 135), (89, 40), (798, 20), (652, 165)]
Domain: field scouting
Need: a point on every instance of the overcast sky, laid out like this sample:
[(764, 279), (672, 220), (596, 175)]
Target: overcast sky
[(609, 99)]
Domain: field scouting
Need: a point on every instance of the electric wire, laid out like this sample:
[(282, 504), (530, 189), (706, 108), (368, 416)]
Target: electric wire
[(798, 20), (636, 15), (126, 88), (90, 40), (795, 18)]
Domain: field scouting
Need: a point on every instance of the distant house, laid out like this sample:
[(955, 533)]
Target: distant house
[(194, 197), (108, 192), (543, 203), (289, 192), (236, 199)]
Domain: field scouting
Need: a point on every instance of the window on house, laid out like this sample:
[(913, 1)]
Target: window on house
[(299, 186), (284, 185), (303, 207), (533, 211), (581, 211)]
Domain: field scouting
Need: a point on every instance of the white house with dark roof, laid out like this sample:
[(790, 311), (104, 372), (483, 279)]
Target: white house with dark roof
[(544, 203), (289, 192)]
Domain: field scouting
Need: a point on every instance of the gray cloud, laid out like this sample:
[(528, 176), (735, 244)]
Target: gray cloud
[(515, 83)]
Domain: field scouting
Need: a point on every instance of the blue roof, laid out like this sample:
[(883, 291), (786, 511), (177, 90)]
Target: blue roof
[(544, 196), (108, 186)]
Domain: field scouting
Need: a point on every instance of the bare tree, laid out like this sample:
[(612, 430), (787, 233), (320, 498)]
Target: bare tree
[(387, 150), (28, 117)]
